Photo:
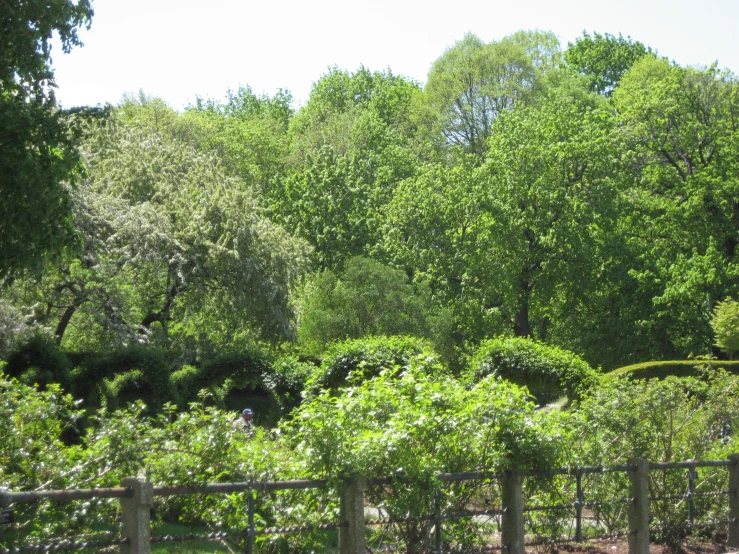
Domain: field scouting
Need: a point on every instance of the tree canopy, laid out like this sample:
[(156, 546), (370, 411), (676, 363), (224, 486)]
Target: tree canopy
[(38, 153)]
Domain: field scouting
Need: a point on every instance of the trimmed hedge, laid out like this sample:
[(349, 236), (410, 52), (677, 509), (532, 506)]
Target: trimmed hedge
[(548, 372), (271, 385), (677, 368)]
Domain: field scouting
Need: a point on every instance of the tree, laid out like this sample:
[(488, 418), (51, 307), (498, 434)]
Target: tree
[(472, 83), (37, 152), (681, 136), (248, 133), (725, 324), (439, 228), (604, 59), (352, 144), (174, 250), (368, 298)]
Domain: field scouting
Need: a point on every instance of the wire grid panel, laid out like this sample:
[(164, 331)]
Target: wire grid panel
[(68, 522), (687, 499), (470, 516)]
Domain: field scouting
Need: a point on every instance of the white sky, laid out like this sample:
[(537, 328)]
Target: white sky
[(180, 49)]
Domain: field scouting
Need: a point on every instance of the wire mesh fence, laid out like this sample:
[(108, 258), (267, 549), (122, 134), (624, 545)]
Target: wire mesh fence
[(462, 512)]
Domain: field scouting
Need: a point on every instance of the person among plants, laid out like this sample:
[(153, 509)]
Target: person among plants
[(244, 423)]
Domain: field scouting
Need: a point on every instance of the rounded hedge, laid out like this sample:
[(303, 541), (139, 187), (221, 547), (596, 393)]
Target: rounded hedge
[(548, 372), (121, 376), (38, 360)]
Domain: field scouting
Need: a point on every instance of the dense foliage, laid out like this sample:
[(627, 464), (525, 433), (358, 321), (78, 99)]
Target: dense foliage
[(530, 213), (549, 372), (38, 152), (407, 426), (581, 196)]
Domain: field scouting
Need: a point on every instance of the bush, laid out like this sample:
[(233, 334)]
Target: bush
[(234, 380), (93, 379), (38, 360), (547, 371), (413, 425), (676, 368), (286, 381), (662, 420), (355, 361), (368, 299)]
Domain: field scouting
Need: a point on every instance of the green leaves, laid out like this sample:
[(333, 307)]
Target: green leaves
[(368, 298), (604, 59), (725, 324), (37, 147), (473, 83), (547, 371)]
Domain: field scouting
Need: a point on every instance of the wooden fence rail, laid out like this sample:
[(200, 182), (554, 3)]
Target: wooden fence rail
[(136, 495)]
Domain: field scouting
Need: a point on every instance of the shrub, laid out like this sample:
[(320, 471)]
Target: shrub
[(546, 370), (182, 383), (413, 425), (287, 379), (676, 368), (662, 420), (355, 361), (153, 383), (245, 367), (38, 360)]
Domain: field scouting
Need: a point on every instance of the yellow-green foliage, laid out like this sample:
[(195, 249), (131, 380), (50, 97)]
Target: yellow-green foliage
[(678, 368)]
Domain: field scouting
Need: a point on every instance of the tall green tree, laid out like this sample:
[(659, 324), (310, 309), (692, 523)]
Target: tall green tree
[(553, 187), (439, 227), (681, 131), (248, 133), (508, 245), (37, 153), (352, 143), (604, 59), (473, 83)]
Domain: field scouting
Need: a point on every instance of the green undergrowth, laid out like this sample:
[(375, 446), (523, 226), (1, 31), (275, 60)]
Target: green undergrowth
[(677, 368)]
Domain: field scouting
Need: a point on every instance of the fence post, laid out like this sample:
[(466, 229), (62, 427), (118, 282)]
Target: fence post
[(135, 512), (639, 507), (512, 501), (437, 521), (733, 538), (250, 522), (351, 517), (692, 476), (579, 501)]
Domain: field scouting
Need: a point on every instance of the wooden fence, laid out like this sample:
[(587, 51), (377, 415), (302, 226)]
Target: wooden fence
[(136, 495)]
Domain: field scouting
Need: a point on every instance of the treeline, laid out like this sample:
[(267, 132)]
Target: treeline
[(586, 197)]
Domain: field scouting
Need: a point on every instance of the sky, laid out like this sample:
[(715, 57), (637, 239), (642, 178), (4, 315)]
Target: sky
[(179, 50)]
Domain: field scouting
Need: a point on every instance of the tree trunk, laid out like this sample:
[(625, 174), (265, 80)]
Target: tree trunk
[(521, 324), (61, 327)]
